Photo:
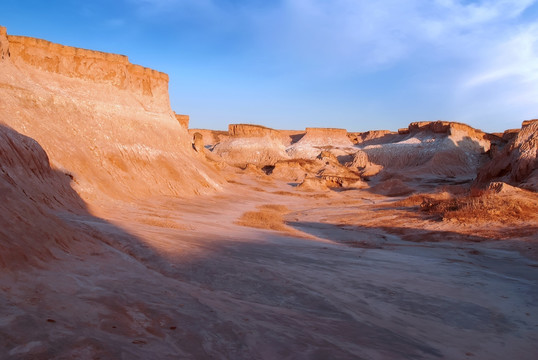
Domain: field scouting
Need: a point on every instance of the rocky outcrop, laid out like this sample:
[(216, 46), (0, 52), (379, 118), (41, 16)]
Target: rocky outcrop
[(251, 144), (439, 148), (4, 44), (183, 120), (371, 137), (100, 118), (517, 163), (198, 142), (363, 165), (326, 137), (317, 139), (93, 66), (325, 167), (260, 151), (211, 137), (249, 130)]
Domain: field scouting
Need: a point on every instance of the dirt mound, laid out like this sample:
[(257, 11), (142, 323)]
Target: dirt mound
[(295, 170), (106, 121), (392, 187), (325, 167), (517, 163), (502, 204), (313, 184), (266, 217)]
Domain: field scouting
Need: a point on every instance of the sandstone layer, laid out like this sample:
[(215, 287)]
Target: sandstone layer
[(102, 119)]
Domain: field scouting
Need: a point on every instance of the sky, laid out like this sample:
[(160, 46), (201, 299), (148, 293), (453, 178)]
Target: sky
[(290, 64)]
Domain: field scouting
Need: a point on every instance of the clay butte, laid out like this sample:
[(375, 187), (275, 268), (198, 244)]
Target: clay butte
[(105, 121)]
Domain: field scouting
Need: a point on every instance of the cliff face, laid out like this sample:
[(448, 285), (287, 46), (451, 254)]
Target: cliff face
[(93, 66), (517, 163), (248, 130), (102, 119)]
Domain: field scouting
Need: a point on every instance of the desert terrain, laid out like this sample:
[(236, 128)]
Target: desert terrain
[(126, 235)]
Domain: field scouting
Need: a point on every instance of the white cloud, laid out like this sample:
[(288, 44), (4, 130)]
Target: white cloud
[(481, 51)]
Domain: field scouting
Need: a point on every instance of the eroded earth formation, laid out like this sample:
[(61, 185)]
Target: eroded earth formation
[(126, 235)]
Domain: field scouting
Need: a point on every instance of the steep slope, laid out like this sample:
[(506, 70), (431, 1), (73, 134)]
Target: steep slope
[(517, 163), (104, 120), (33, 195)]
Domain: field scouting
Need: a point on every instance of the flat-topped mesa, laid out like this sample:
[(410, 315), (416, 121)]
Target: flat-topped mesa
[(326, 131), (528, 122), (327, 137), (96, 66), (248, 130)]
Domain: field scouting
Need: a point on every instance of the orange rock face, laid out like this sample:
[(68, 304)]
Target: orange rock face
[(104, 120), (183, 120), (248, 130), (517, 163), (89, 65)]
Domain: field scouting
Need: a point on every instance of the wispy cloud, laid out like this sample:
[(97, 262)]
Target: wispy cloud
[(481, 50)]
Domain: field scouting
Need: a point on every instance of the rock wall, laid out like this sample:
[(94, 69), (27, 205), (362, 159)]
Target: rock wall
[(4, 44), (371, 137), (517, 163), (93, 66), (438, 148), (105, 121), (183, 120), (248, 130)]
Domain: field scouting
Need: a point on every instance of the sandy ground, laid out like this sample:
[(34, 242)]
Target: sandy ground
[(179, 279)]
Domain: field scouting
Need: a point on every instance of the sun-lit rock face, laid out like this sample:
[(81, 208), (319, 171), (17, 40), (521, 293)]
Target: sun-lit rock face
[(317, 139), (249, 144), (102, 119), (94, 66), (248, 130), (370, 137), (517, 163), (183, 120), (4, 44), (429, 148)]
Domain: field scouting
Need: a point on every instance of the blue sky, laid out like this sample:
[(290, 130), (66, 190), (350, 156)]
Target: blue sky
[(289, 64)]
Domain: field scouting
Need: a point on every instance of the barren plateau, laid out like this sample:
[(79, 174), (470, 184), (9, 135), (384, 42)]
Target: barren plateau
[(126, 235)]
